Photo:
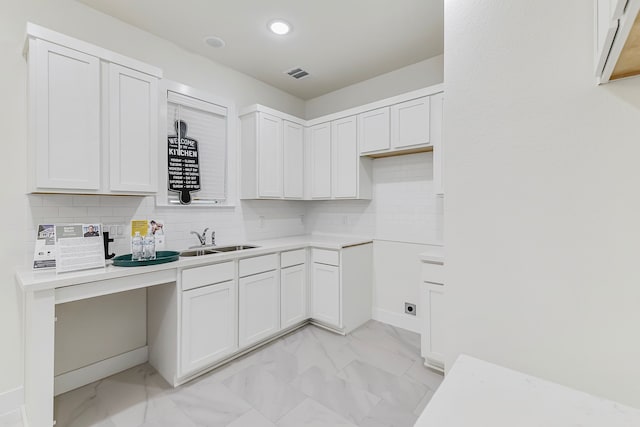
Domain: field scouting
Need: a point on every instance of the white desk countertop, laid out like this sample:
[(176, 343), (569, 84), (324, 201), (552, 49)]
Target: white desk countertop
[(480, 394), (31, 281)]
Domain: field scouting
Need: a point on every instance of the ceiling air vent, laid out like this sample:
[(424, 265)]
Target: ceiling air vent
[(297, 73)]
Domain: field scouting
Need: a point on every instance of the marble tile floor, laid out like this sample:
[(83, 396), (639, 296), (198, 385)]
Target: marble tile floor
[(373, 377)]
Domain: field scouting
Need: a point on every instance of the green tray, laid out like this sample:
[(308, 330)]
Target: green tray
[(161, 258)]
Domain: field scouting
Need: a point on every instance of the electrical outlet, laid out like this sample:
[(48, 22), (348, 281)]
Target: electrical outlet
[(410, 308), (116, 231)]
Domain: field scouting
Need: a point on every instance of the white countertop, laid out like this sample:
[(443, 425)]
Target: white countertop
[(480, 394), (31, 281), (434, 254)]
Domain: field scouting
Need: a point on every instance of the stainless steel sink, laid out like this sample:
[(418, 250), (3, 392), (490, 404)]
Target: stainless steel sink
[(199, 252), (234, 248), (215, 250)]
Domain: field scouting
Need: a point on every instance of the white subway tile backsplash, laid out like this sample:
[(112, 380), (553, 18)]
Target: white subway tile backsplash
[(56, 200), (404, 208), (73, 211), (87, 201), (404, 205), (44, 211), (99, 211)]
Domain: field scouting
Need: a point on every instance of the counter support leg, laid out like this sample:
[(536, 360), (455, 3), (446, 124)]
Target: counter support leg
[(39, 357)]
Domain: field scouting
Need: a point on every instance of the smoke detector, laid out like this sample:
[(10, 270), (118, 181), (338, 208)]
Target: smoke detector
[(214, 41), (297, 73)]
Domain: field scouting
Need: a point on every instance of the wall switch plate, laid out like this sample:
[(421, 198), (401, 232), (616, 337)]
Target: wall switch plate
[(410, 308)]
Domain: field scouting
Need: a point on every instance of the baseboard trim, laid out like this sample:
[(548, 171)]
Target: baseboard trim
[(11, 401), (410, 323), (96, 371)]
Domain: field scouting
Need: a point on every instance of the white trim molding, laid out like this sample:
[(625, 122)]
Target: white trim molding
[(404, 321), (102, 369), (11, 401)]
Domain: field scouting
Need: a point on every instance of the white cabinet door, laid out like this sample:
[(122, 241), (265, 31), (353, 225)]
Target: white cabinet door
[(66, 110), (344, 149), (410, 123), (293, 155), (320, 152), (433, 324), (293, 295), (373, 130), (133, 130), (269, 156), (259, 308), (326, 294), (208, 327)]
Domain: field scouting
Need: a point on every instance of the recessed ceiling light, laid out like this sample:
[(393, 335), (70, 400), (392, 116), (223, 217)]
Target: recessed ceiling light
[(214, 41), (279, 27)]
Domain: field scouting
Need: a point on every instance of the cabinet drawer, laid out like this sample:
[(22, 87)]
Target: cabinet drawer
[(207, 275), (324, 256), (433, 273), (258, 264), (290, 258)]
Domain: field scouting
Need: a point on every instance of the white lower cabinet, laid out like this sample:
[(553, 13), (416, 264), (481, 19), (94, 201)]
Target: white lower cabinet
[(432, 309), (259, 307), (227, 307), (326, 294), (342, 286), (208, 326), (293, 295)]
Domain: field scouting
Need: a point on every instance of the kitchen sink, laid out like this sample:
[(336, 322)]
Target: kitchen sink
[(234, 248), (199, 252), (215, 250)]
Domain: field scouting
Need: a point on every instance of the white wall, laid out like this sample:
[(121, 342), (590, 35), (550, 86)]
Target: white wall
[(21, 213), (542, 200), (416, 76)]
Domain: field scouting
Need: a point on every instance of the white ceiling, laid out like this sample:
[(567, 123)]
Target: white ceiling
[(339, 42)]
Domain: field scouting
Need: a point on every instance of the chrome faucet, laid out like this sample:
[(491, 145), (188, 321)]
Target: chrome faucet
[(202, 237), (213, 238)]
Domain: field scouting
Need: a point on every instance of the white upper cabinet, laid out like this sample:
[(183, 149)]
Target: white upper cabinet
[(133, 130), (344, 147), (373, 130), (269, 156), (330, 157), (400, 128), (92, 118), (410, 123), (320, 156), (65, 117), (617, 39), (293, 160), (336, 171), (272, 155)]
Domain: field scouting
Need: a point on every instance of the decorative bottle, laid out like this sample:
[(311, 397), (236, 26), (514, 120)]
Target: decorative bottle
[(149, 246), (137, 250)]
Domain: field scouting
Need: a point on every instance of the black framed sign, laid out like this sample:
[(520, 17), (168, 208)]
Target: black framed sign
[(184, 163)]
